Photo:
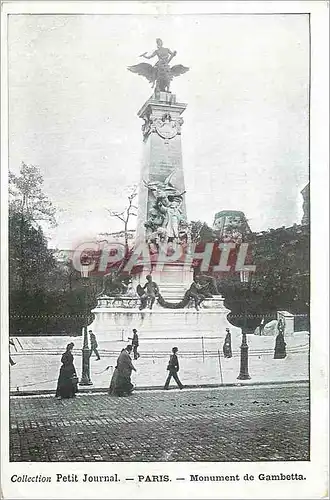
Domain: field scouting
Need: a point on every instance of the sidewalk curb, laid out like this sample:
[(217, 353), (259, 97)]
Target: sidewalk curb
[(89, 389)]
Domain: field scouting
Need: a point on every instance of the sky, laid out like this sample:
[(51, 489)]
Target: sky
[(73, 112)]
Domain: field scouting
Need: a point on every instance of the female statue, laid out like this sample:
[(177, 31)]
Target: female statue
[(161, 73), (173, 217)]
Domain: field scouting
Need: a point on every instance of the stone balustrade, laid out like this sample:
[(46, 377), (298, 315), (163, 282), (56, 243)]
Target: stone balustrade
[(133, 302), (118, 301)]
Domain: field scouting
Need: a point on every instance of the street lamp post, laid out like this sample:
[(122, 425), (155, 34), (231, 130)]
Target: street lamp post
[(244, 362), (85, 375)]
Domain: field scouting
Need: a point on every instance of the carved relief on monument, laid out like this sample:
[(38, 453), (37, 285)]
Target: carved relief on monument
[(165, 126), (166, 221)]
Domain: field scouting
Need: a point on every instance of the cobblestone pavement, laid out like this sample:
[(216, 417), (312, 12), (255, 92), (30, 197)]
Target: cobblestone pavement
[(261, 423)]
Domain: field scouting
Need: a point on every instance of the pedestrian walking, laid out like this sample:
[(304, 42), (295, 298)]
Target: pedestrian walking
[(94, 345), (113, 380), (173, 368), (280, 347), (121, 384), (281, 325), (135, 344), (280, 344), (67, 384), (262, 326), (227, 345)]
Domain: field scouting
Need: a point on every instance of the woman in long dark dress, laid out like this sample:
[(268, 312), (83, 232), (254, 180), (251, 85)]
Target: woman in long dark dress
[(121, 384), (67, 380), (280, 344), (227, 345)]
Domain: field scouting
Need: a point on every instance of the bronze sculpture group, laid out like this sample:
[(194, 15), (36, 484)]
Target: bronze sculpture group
[(148, 293), (200, 289)]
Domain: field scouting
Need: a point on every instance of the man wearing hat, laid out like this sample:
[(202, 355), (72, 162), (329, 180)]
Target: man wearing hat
[(93, 345), (173, 368), (135, 344)]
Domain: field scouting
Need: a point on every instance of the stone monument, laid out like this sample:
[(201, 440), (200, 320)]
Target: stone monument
[(168, 299)]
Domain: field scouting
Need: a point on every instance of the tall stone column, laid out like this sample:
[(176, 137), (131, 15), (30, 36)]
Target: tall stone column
[(162, 153), (162, 166)]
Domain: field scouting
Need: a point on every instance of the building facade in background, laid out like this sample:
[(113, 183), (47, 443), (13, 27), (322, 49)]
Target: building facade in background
[(305, 195), (231, 225)]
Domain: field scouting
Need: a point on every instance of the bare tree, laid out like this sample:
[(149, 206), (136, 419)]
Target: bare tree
[(113, 276), (127, 213)]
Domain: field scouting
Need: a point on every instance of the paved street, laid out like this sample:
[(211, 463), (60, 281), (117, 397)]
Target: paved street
[(226, 424)]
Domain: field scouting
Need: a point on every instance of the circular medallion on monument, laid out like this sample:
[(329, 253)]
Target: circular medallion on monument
[(165, 127)]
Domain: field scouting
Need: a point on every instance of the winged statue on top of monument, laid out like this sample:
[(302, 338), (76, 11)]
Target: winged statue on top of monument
[(161, 74)]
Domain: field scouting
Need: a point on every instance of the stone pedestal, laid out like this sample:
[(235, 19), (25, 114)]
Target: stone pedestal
[(173, 280), (115, 317)]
